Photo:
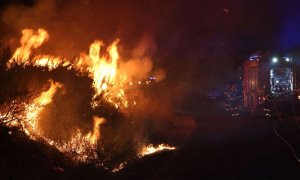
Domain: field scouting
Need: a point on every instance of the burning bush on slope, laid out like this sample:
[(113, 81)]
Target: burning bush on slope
[(82, 107)]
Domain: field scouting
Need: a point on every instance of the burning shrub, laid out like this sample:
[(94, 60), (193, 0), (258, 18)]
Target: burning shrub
[(87, 110)]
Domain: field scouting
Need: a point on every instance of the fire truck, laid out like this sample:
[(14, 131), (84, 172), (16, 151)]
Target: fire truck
[(269, 83)]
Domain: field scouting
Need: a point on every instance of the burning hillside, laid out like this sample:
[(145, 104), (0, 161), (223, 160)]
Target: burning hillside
[(111, 127)]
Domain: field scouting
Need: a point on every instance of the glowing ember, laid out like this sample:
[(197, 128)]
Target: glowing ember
[(119, 167), (84, 146), (150, 149), (81, 147)]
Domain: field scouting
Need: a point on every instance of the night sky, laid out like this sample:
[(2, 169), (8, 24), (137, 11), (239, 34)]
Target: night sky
[(202, 41)]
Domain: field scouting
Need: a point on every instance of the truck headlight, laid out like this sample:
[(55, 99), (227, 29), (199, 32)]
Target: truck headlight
[(274, 60)]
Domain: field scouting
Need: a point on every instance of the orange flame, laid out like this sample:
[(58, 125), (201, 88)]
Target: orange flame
[(102, 69), (32, 110), (30, 40), (46, 97), (150, 149), (84, 145), (96, 131), (107, 84)]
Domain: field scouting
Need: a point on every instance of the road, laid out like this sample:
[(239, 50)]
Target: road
[(222, 147)]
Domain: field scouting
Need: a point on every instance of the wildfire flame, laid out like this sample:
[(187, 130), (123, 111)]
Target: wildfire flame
[(107, 84), (30, 125), (30, 40), (101, 69), (84, 146), (46, 97), (150, 149), (96, 132)]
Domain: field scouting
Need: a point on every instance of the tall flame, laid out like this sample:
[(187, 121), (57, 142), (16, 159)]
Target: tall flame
[(103, 71), (30, 40)]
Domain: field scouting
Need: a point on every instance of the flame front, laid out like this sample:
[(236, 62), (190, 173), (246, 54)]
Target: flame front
[(84, 146), (150, 149)]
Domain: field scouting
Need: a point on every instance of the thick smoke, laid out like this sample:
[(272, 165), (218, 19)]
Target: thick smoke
[(140, 65)]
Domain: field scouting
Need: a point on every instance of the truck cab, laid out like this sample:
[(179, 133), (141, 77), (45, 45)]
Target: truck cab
[(269, 82)]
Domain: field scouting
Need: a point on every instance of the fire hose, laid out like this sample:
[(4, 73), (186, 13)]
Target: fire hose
[(283, 139)]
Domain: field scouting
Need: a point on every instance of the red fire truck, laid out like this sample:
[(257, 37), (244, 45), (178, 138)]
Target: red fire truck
[(269, 81)]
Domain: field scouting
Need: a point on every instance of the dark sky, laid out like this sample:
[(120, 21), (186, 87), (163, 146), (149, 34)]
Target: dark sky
[(198, 40)]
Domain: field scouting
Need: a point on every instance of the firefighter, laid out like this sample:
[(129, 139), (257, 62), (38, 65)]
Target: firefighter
[(234, 100), (227, 97)]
